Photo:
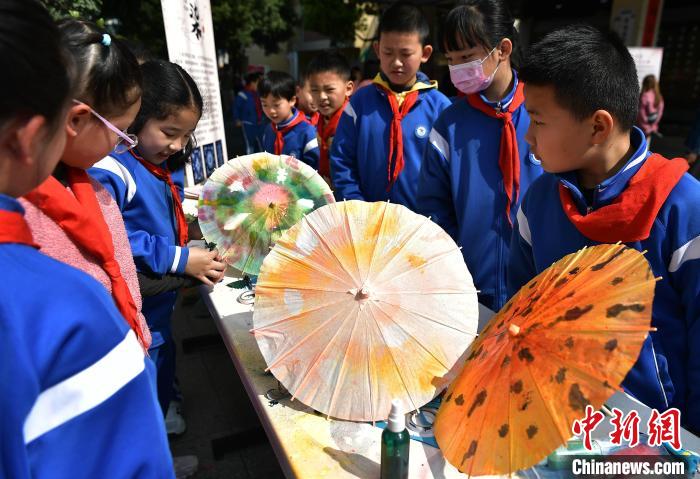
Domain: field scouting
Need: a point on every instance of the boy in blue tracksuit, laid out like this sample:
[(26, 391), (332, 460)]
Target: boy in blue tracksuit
[(289, 133), (582, 92), (248, 115), (378, 147), (472, 156)]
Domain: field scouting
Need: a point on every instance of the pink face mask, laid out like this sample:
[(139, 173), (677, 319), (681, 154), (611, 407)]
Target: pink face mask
[(469, 77)]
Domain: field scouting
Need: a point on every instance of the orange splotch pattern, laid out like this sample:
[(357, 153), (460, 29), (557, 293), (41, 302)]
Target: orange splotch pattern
[(565, 340), (361, 303)]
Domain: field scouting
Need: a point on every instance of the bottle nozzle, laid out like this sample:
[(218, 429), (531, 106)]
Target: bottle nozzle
[(397, 420)]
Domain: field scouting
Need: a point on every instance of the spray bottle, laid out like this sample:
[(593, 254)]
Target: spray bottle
[(395, 445)]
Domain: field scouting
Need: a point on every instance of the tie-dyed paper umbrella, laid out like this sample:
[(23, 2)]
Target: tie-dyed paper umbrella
[(361, 303), (248, 202), (566, 340)]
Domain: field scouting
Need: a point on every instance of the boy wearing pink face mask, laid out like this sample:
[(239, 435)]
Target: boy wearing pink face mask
[(478, 165)]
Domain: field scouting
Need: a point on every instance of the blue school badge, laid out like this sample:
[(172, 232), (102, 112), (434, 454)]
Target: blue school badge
[(421, 131)]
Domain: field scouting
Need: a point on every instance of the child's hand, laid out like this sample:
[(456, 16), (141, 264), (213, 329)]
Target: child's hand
[(204, 266)]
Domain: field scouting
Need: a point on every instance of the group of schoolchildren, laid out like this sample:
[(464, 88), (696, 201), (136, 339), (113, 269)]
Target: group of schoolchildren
[(530, 162), (533, 161)]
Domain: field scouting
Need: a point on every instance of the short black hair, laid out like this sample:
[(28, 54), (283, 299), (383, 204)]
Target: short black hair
[(252, 77), (36, 75), (589, 69), (329, 61), (277, 84), (108, 75), (167, 87), (479, 22), (404, 17)]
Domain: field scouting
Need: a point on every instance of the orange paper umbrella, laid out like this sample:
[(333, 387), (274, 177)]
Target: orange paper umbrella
[(361, 303), (566, 340)]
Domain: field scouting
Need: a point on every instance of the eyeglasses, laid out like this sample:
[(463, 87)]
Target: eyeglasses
[(125, 141)]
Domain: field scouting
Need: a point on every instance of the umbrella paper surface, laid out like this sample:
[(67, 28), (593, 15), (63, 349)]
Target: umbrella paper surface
[(248, 202), (361, 303), (565, 340)]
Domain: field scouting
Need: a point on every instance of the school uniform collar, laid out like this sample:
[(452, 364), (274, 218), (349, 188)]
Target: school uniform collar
[(608, 190), (8, 203), (422, 83), (506, 100), (282, 124)]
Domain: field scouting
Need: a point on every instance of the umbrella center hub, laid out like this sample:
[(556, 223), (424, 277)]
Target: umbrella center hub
[(514, 330), (361, 294)]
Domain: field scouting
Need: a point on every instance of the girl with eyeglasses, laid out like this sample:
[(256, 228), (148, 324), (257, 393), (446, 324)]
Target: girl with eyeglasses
[(76, 394), (73, 218), (147, 183)]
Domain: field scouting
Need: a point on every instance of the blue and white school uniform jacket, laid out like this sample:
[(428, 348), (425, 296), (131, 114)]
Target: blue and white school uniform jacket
[(300, 142), (244, 110), (360, 152), (544, 234), (149, 217), (461, 189), (76, 394)]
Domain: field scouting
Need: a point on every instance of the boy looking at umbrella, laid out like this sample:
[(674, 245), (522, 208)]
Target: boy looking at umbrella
[(328, 76), (289, 133), (378, 147), (604, 186)]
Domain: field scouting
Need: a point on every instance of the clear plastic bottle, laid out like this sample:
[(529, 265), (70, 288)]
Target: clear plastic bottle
[(395, 445)]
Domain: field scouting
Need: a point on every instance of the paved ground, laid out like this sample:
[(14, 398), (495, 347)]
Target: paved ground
[(216, 404)]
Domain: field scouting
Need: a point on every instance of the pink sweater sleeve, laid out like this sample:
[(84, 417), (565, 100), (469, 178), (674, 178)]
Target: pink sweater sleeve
[(54, 242)]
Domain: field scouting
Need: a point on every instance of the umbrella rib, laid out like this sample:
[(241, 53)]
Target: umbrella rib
[(425, 316), (280, 285), (376, 242), (288, 253), (429, 262), (296, 346), (341, 373), (420, 343), (393, 360), (409, 238), (332, 252), (325, 348), (295, 316), (546, 404), (348, 230)]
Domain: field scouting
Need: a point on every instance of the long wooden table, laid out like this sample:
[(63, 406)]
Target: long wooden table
[(309, 445)]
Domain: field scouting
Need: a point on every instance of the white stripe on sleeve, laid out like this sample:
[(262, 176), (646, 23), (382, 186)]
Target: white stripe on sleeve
[(350, 111), (311, 145), (687, 252), (440, 143), (176, 260), (85, 390), (524, 226), (113, 166)]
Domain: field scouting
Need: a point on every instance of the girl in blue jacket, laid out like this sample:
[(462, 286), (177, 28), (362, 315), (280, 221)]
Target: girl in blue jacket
[(150, 199), (477, 165)]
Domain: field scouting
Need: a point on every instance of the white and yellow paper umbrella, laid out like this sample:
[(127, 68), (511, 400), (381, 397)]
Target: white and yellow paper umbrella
[(361, 303)]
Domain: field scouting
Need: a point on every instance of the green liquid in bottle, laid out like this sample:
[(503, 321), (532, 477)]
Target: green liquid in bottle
[(395, 445), (395, 448)]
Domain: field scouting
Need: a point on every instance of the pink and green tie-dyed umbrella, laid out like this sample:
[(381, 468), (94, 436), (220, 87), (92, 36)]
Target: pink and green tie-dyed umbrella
[(248, 202)]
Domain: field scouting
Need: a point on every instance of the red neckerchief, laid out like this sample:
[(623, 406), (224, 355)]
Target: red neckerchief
[(396, 133), (164, 175), (631, 215), (80, 217), (326, 132), (315, 116), (279, 133), (508, 156), (14, 229), (256, 100)]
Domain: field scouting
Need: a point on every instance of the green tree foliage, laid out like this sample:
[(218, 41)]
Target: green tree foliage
[(89, 9), (337, 19)]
